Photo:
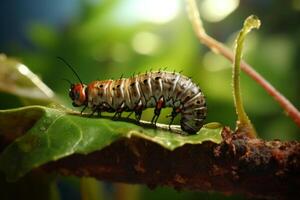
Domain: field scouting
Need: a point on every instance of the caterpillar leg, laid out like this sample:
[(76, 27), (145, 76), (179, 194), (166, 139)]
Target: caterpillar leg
[(159, 105), (130, 114), (138, 115), (155, 118), (138, 110), (95, 109), (174, 113), (93, 112), (83, 109), (100, 108), (117, 115), (119, 111)]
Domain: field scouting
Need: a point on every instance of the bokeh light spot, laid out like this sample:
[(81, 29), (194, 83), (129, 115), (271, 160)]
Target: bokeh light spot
[(145, 43), (154, 11), (217, 10), (296, 5)]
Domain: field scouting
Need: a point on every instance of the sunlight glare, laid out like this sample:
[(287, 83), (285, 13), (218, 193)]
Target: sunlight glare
[(154, 11)]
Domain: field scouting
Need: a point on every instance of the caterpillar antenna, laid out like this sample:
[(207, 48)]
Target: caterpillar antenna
[(64, 61)]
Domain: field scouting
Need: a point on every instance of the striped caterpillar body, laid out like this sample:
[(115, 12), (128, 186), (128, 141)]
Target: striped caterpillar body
[(154, 89)]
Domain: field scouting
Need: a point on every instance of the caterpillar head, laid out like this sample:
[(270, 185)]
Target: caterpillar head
[(77, 91), (78, 95)]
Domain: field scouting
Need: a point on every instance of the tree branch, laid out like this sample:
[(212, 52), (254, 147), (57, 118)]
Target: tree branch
[(219, 48), (239, 165)]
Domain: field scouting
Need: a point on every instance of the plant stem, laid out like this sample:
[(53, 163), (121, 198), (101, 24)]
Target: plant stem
[(218, 47), (243, 120)]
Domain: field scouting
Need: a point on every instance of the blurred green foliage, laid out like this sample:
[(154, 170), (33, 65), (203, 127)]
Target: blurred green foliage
[(103, 42)]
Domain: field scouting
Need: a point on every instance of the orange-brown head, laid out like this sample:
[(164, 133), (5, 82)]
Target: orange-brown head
[(78, 94)]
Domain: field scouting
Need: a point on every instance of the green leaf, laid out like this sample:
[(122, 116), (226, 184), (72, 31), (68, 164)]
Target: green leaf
[(58, 133), (17, 79)]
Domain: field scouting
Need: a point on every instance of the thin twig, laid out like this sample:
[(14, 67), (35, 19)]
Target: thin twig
[(218, 47)]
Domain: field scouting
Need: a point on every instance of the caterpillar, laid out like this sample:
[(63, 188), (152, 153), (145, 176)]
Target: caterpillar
[(156, 90)]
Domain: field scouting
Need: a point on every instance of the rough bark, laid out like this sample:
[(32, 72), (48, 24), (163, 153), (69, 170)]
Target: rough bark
[(239, 165)]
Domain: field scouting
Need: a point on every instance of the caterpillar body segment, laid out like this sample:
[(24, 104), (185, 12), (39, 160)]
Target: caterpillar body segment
[(153, 89)]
